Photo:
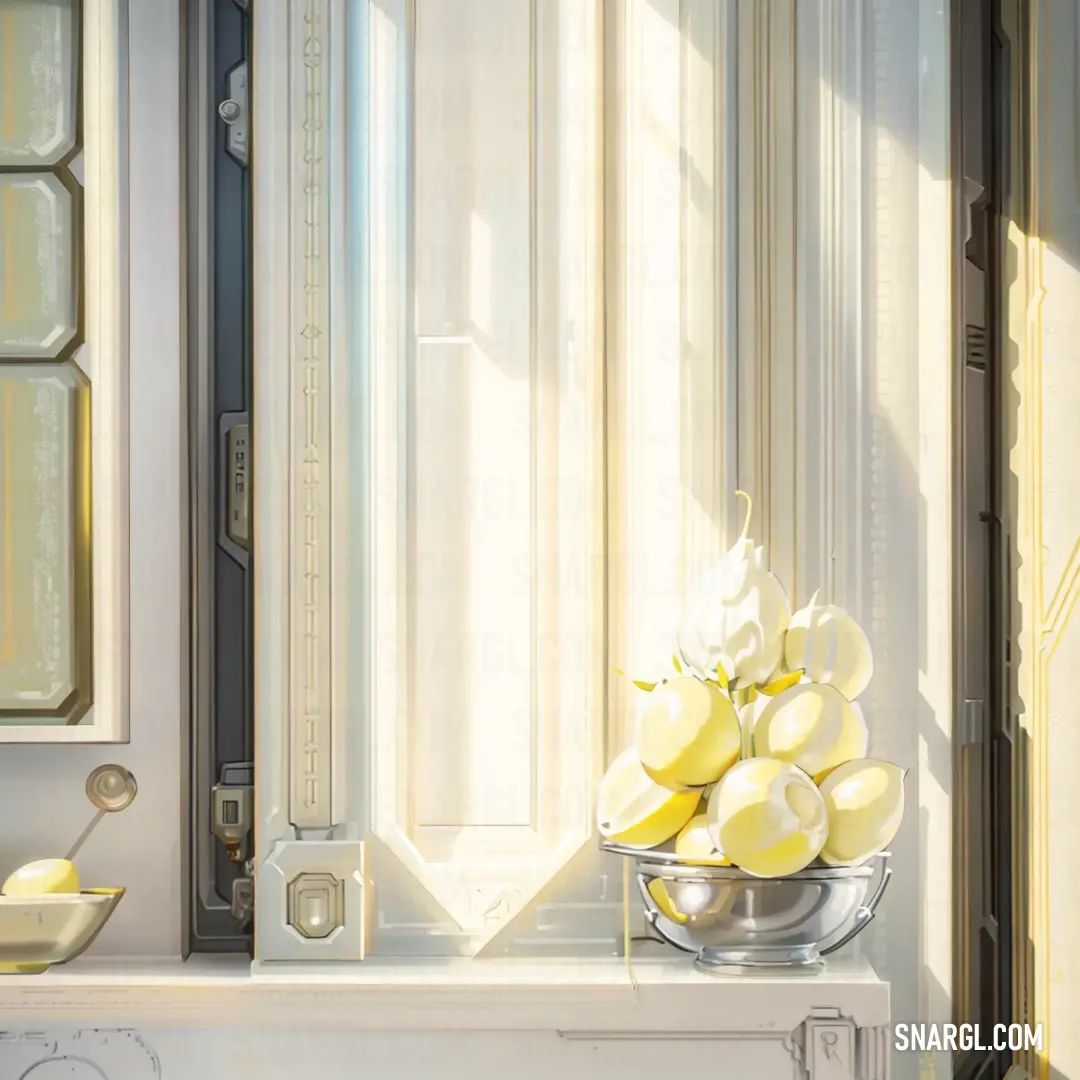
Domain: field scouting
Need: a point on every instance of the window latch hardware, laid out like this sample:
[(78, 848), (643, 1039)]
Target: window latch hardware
[(243, 900), (234, 808), (234, 534), (235, 114)]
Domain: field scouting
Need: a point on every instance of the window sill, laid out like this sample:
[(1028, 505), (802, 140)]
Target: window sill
[(578, 999)]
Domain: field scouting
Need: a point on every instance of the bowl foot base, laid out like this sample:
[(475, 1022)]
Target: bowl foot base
[(804, 960), (23, 969)]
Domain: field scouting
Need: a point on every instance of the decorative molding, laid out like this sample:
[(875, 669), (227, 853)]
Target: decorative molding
[(273, 169), (310, 452), (589, 1001), (105, 196), (873, 1047), (298, 433), (292, 461), (311, 902), (111, 1055), (769, 402), (301, 476), (828, 1045), (342, 478), (102, 171), (836, 301), (282, 1055)]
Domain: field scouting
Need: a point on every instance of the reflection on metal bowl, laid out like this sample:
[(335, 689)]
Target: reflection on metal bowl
[(732, 921), (39, 931)]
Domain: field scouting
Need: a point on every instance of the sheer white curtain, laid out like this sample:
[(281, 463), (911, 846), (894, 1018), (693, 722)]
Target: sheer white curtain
[(539, 207)]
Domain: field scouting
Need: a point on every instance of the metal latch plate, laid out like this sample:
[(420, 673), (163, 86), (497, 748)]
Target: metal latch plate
[(235, 453), (236, 115), (972, 722)]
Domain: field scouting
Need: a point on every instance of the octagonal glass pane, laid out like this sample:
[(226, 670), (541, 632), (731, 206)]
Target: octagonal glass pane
[(44, 541), (38, 81), (38, 294)]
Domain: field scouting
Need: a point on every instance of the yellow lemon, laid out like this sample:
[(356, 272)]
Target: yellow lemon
[(688, 735), (694, 842), (767, 817), (44, 876), (634, 810), (865, 803), (831, 647), (811, 725), (662, 898), (751, 700)]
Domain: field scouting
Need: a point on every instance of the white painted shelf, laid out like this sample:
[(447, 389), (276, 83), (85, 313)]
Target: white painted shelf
[(579, 999)]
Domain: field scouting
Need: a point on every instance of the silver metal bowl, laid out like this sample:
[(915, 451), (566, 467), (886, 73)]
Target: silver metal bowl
[(39, 931), (732, 921)]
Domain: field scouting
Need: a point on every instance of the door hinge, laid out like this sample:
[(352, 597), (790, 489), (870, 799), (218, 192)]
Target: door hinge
[(233, 810)]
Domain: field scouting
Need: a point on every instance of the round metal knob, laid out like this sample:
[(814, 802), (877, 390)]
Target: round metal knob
[(111, 788), (229, 111)]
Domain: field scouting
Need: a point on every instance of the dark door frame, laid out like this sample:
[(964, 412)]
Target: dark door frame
[(219, 784), (987, 67)]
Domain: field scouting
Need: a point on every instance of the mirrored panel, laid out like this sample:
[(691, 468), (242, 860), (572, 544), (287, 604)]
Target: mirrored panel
[(38, 293), (44, 542), (38, 81)]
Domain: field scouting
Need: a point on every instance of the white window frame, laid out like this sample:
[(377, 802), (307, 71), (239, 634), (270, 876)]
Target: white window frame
[(773, 349), (307, 815), (104, 360)]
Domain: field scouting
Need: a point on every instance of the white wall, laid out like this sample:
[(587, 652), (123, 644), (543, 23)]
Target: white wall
[(43, 806), (291, 1055), (1043, 358)]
